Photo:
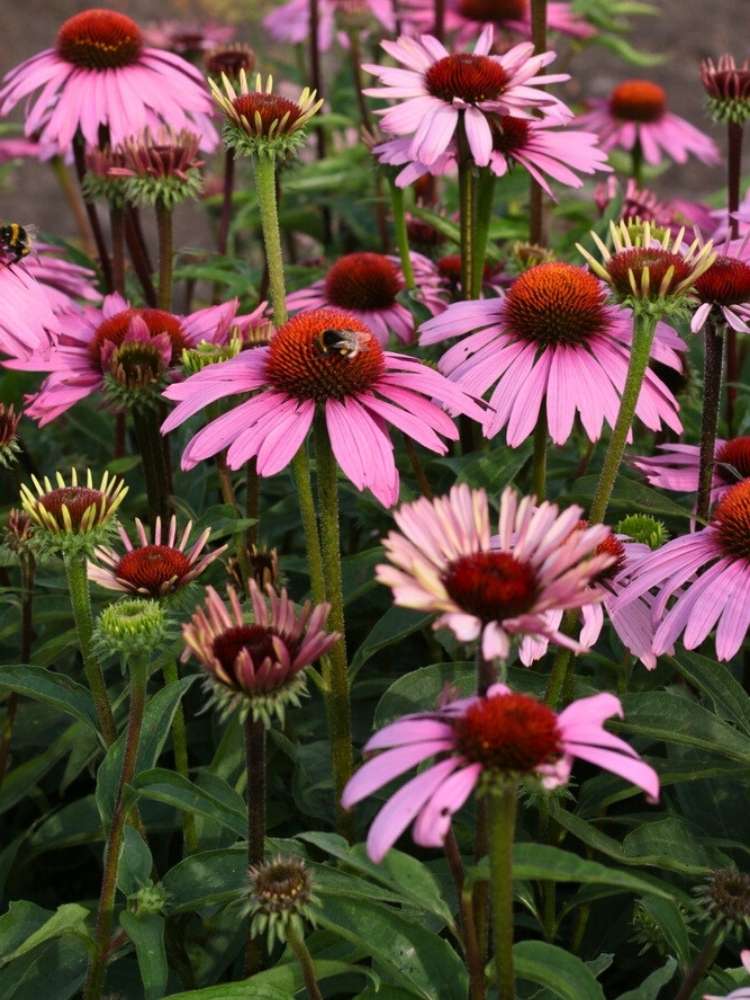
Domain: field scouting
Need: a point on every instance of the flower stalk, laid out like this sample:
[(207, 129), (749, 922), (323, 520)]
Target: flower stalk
[(467, 212), (117, 233), (166, 253), (297, 944), (712, 366), (539, 458), (735, 134), (180, 750), (502, 824), (255, 762), (401, 234), (536, 195), (153, 449), (79, 155)]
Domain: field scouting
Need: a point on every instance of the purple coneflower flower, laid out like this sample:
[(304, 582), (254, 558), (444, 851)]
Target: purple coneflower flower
[(367, 285), (707, 573), (503, 734), (325, 359), (100, 74), (443, 561), (676, 466), (554, 339), (636, 112), (439, 88), (724, 289), (466, 16), (64, 282), (188, 38), (290, 22)]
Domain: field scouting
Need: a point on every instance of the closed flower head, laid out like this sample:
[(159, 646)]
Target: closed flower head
[(728, 88)]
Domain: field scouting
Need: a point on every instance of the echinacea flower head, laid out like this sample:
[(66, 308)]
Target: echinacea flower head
[(324, 361), (724, 293), (260, 122), (256, 666), (133, 627), (102, 52), (162, 167), (229, 60), (72, 516), (643, 528), (701, 580), (290, 21), (440, 91), (367, 285), (466, 17), (728, 88), (724, 899), (744, 992), (186, 37), (553, 338), (484, 741), (648, 265), (443, 560), (103, 179), (281, 899), (676, 466), (156, 566), (130, 353), (19, 529), (9, 445), (636, 114)]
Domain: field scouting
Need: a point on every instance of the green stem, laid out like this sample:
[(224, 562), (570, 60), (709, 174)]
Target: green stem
[(117, 234), (105, 913), (252, 500), (298, 946), (472, 954), (539, 461), (166, 253), (561, 663), (265, 183), (467, 209), (636, 163), (255, 762), (229, 498), (80, 601), (644, 325), (301, 470), (419, 474), (179, 748), (485, 196), (712, 362), (152, 447), (75, 203), (536, 195), (700, 966), (401, 234), (502, 820), (335, 667)]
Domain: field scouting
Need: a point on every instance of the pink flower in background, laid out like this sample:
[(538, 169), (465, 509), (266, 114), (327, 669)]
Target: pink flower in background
[(499, 736), (642, 203), (701, 580), (367, 286), (636, 111), (27, 316), (153, 567), (328, 359), (17, 148), (64, 281), (92, 344), (100, 74), (397, 153), (443, 561), (187, 38), (466, 17), (290, 22), (741, 994), (552, 339), (438, 88), (676, 466)]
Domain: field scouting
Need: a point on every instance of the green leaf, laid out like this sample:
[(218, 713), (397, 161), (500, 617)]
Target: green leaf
[(136, 863), (392, 627), (55, 970), (146, 931), (16, 927), (157, 722), (174, 790), (489, 470), (718, 683), (669, 918), (630, 496), (540, 861), (651, 986), (205, 879), (560, 972), (54, 689), (279, 983), (449, 229), (411, 955)]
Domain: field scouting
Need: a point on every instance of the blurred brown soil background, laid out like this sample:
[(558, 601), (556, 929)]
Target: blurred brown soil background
[(686, 32)]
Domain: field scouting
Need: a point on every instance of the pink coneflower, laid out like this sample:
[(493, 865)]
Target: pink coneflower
[(100, 74), (708, 574), (27, 315), (257, 666), (499, 736), (641, 204), (64, 282), (328, 359), (467, 16), (444, 561), (367, 285), (187, 38), (741, 994), (636, 112), (17, 148), (290, 22), (438, 89), (155, 567), (397, 153), (676, 466), (724, 290), (552, 339), (130, 345)]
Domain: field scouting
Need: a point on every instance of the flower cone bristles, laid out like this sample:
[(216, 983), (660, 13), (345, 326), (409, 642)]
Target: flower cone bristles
[(9, 445), (728, 88), (725, 900), (643, 528), (132, 627), (161, 168), (280, 898), (260, 122)]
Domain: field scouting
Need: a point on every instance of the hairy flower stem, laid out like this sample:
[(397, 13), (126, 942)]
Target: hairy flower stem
[(712, 363), (467, 212), (222, 241), (138, 670), (117, 235), (252, 500), (75, 203), (138, 255), (298, 946), (152, 447), (180, 750), (536, 195), (419, 474), (485, 197), (472, 956), (401, 234), (502, 820), (561, 664), (80, 602), (27, 567), (166, 254), (335, 666), (734, 175), (79, 155), (486, 677), (701, 965), (539, 459), (644, 325), (255, 762)]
